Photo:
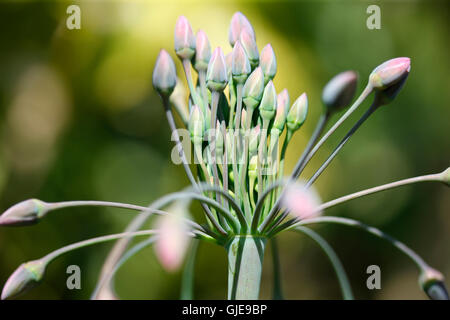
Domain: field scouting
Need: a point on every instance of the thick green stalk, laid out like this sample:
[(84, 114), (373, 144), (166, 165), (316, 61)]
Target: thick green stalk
[(245, 260), (187, 282)]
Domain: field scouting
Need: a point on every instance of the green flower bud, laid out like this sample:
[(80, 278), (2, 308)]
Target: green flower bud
[(240, 66), (250, 47), (239, 22), (339, 91), (216, 76), (282, 110), (27, 276), (268, 103), (164, 74), (297, 114), (203, 51), (389, 73), (253, 168), (184, 39), (196, 125), (24, 213), (268, 63), (432, 282), (253, 89)]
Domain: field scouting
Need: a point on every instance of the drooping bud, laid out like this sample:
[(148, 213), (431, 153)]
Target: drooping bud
[(202, 51), (432, 283), (24, 213), (240, 65), (239, 22), (184, 39), (268, 103), (164, 74), (253, 89), (445, 176), (282, 111), (297, 114), (173, 240), (196, 125), (216, 76), (339, 91), (268, 63), (27, 276), (302, 202), (389, 73), (254, 139), (250, 47)]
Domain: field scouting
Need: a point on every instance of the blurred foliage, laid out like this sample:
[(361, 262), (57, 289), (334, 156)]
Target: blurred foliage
[(79, 120)]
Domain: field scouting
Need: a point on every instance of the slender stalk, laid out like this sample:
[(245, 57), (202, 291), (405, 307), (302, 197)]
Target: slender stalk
[(225, 159), (245, 259), (202, 80), (243, 168), (214, 104), (190, 82), (187, 281), (420, 263), (277, 287), (334, 259), (341, 144), (261, 152)]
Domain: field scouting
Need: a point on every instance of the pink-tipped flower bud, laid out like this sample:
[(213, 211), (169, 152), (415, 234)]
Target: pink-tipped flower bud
[(297, 114), (184, 39), (282, 111), (253, 89), (202, 51), (164, 74), (27, 276), (238, 23), (24, 213), (250, 47), (432, 283), (302, 202), (268, 63), (339, 91), (216, 76), (240, 65), (268, 103), (389, 73)]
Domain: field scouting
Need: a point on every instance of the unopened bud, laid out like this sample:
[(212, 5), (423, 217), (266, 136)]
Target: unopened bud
[(253, 168), (196, 125), (302, 202), (240, 65), (268, 63), (249, 44), (184, 39), (27, 276), (432, 282), (202, 51), (389, 73), (268, 103), (164, 74), (297, 114), (216, 76), (254, 139), (238, 23), (282, 110), (24, 213), (339, 91), (253, 89)]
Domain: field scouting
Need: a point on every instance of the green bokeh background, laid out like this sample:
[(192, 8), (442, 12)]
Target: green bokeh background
[(79, 120)]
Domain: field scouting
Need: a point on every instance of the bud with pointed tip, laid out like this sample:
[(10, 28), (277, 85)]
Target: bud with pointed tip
[(196, 125), (229, 61), (240, 66), (268, 103), (254, 139), (253, 168), (268, 63), (238, 23), (216, 76), (282, 111), (202, 51), (184, 39), (250, 47), (389, 73), (297, 114), (27, 276), (253, 88), (432, 282), (339, 91), (302, 202), (24, 213), (164, 74)]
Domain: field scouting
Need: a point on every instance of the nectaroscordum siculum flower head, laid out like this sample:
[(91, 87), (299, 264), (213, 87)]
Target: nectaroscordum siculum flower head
[(238, 23), (297, 114), (184, 39), (216, 76), (253, 88), (268, 103), (282, 111), (268, 63), (27, 276), (24, 213), (240, 66), (164, 74), (202, 51), (248, 42)]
